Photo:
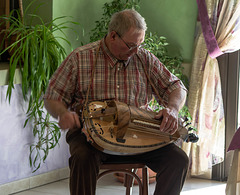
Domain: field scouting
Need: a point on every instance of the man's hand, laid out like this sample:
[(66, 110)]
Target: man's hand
[(169, 115), (68, 120), (169, 118)]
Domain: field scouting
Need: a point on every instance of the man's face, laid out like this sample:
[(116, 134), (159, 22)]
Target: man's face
[(123, 47)]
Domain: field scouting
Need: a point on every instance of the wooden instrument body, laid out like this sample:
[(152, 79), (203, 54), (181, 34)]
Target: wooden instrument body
[(117, 128)]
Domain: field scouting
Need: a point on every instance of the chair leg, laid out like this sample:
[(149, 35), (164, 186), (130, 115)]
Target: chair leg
[(145, 180), (129, 176), (128, 182)]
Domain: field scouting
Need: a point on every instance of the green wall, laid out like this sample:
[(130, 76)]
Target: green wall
[(85, 12), (173, 19), (43, 8)]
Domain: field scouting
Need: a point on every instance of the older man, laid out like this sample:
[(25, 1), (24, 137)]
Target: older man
[(118, 75)]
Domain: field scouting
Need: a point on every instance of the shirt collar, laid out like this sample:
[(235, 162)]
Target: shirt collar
[(112, 59)]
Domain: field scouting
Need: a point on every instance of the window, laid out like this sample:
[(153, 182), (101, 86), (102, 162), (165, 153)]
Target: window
[(229, 71)]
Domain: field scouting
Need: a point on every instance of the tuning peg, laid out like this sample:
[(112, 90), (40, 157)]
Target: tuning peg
[(185, 119), (187, 124), (190, 128)]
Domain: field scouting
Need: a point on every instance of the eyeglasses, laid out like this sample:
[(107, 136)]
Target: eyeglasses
[(130, 47)]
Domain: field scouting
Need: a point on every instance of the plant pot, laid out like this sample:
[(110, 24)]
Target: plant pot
[(151, 175)]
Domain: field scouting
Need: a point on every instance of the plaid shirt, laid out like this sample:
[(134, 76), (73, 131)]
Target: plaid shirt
[(113, 79)]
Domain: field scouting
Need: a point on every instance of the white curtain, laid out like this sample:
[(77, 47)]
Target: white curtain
[(205, 96)]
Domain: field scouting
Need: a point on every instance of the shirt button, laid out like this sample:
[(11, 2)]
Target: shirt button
[(118, 86)]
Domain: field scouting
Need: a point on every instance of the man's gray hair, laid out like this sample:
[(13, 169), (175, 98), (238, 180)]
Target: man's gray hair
[(122, 21)]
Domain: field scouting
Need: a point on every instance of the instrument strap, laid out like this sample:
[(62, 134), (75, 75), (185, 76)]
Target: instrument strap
[(145, 70), (92, 75), (151, 83)]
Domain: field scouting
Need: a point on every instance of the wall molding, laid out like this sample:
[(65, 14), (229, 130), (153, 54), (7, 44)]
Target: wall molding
[(4, 74), (35, 181)]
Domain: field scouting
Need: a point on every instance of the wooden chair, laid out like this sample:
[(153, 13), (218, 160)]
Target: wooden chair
[(130, 174)]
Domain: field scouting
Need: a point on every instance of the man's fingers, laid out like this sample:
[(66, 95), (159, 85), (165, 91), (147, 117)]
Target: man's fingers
[(173, 128), (159, 115), (163, 124), (68, 120), (168, 123), (62, 125)]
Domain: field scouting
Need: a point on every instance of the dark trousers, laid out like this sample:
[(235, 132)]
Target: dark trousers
[(169, 162)]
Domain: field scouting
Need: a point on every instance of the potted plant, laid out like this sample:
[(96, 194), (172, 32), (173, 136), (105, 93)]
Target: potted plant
[(37, 52)]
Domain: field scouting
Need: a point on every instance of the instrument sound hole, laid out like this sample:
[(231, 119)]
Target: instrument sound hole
[(101, 132)]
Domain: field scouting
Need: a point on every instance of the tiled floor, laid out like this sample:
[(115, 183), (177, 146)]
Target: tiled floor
[(108, 185)]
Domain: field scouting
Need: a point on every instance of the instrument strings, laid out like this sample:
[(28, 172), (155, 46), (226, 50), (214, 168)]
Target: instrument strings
[(155, 132)]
